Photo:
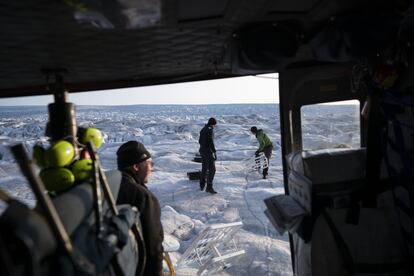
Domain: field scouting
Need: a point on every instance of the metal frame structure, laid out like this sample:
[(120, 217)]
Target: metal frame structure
[(213, 249)]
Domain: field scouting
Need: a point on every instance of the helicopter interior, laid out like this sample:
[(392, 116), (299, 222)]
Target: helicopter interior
[(357, 204)]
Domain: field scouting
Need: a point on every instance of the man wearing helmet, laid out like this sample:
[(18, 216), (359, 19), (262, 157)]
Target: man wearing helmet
[(208, 155), (134, 161)]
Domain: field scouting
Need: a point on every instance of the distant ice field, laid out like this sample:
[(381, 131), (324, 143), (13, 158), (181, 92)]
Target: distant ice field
[(171, 133)]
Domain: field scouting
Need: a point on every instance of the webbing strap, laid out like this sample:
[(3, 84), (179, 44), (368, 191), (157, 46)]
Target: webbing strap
[(343, 248), (374, 152)]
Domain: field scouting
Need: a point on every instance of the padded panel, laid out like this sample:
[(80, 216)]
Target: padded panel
[(329, 165), (328, 172), (45, 34), (285, 213), (114, 178), (74, 205), (101, 51)]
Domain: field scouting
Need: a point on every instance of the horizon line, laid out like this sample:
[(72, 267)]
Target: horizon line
[(180, 104)]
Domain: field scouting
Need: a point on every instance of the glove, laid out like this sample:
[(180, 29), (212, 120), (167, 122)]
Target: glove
[(214, 156)]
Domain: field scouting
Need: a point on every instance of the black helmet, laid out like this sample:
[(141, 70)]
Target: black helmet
[(212, 122), (253, 129)]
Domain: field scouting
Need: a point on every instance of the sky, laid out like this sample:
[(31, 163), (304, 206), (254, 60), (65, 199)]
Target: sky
[(251, 89)]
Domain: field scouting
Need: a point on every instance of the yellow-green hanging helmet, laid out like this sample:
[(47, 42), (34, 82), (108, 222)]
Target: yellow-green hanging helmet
[(94, 136), (82, 169), (60, 154), (39, 156), (57, 180)]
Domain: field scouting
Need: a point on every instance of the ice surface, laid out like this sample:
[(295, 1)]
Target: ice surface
[(171, 135)]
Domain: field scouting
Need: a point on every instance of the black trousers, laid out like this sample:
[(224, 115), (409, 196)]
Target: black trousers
[(208, 169), (268, 153)]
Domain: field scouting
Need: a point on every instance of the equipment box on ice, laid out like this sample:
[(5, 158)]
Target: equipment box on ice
[(197, 158), (194, 175)]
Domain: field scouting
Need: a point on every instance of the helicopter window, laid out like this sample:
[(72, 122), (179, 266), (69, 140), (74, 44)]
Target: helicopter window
[(332, 125)]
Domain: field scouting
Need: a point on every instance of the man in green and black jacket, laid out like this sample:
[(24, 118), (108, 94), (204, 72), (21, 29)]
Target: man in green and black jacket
[(265, 146)]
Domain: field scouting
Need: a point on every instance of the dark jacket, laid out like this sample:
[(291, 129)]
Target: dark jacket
[(206, 140), (137, 194)]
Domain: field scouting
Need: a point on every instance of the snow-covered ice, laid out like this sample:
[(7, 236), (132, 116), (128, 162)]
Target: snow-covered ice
[(171, 134)]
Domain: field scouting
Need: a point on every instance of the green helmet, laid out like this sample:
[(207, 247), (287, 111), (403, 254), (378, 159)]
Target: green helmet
[(60, 154), (57, 179), (82, 169), (94, 136), (39, 156)]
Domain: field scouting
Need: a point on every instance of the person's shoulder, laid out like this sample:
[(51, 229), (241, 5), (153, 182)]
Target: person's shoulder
[(151, 199), (126, 178), (148, 191), (143, 193), (142, 188)]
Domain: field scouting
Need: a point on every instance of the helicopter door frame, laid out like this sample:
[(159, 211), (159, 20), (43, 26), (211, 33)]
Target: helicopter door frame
[(305, 86)]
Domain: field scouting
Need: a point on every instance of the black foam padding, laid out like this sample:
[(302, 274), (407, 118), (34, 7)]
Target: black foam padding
[(20, 222)]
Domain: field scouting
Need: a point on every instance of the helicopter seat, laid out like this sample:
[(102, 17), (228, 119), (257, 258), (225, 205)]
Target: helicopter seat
[(323, 182)]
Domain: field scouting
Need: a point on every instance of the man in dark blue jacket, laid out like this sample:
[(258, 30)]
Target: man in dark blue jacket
[(208, 154)]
